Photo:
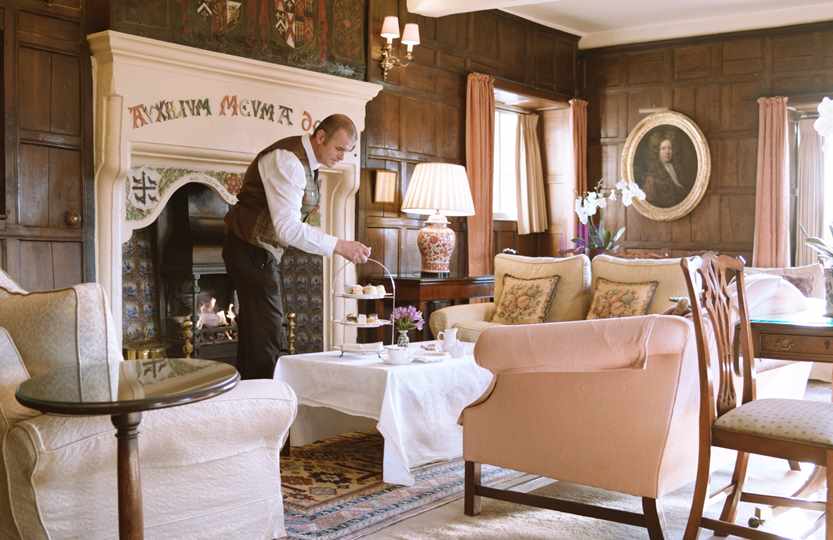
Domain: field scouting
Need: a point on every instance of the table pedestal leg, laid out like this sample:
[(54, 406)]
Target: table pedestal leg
[(131, 519)]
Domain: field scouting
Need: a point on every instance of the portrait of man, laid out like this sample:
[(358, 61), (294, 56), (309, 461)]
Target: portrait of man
[(665, 166)]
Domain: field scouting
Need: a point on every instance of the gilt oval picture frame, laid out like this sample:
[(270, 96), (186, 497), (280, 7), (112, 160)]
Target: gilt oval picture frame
[(668, 157)]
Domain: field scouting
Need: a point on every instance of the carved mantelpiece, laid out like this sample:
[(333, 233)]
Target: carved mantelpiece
[(161, 105)]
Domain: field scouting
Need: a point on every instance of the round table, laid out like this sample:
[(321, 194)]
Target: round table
[(123, 391)]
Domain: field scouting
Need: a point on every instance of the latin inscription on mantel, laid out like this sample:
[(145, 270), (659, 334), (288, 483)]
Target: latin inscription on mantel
[(166, 110)]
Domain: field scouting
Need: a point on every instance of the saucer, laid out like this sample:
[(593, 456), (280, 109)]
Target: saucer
[(432, 356)]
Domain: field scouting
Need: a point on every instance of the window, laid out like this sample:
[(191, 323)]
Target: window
[(504, 184)]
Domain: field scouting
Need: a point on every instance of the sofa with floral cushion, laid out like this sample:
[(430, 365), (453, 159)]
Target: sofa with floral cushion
[(530, 290), (208, 469)]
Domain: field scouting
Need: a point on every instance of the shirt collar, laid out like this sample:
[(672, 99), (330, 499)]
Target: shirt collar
[(313, 162)]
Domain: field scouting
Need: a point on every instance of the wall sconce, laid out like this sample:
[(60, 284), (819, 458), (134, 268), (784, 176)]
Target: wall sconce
[(410, 38), (385, 189)]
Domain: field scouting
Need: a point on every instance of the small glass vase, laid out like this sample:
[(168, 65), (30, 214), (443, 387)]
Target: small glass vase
[(403, 339)]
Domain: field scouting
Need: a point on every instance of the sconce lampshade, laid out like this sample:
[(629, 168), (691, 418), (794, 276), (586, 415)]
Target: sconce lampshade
[(385, 188), (410, 36), (390, 28), (438, 190)]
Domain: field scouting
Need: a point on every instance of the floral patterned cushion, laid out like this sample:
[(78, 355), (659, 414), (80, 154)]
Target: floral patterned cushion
[(785, 419), (525, 301), (612, 299)]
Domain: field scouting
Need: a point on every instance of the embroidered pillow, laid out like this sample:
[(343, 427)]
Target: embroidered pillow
[(525, 301), (802, 283), (612, 299)]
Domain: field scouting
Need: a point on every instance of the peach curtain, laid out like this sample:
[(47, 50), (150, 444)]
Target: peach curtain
[(810, 204), (532, 201), (480, 134), (772, 192), (578, 127)]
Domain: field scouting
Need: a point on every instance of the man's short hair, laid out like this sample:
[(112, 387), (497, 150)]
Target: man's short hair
[(335, 122)]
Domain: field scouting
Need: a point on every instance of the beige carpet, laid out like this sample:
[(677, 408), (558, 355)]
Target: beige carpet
[(506, 521)]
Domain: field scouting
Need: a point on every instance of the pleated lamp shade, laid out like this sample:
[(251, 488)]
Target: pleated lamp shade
[(438, 190)]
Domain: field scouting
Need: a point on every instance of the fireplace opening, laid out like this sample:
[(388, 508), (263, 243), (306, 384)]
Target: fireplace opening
[(193, 281), (174, 272)]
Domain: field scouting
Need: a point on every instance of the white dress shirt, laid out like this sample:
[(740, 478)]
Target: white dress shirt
[(284, 181)]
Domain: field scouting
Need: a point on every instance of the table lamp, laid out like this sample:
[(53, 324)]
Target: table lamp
[(438, 190)]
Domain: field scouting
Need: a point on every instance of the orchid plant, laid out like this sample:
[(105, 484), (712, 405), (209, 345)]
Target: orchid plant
[(597, 236)]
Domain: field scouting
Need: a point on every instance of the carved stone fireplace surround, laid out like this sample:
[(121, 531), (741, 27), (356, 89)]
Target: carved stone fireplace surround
[(163, 106)]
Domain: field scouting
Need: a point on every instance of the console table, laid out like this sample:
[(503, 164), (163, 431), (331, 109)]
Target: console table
[(421, 290)]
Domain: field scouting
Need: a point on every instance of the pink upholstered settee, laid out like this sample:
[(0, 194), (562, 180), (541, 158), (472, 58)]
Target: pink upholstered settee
[(606, 403)]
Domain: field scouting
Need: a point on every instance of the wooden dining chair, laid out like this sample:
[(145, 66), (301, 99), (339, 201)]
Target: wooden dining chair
[(785, 428)]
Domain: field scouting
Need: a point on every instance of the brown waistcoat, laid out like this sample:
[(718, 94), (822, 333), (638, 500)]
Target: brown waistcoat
[(249, 219)]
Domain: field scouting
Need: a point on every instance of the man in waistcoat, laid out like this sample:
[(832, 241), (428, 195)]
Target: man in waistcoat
[(280, 192)]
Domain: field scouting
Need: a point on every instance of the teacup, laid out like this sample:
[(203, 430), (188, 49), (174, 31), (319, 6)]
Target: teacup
[(399, 355), (447, 339)]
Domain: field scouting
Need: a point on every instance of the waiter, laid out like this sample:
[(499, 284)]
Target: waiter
[(280, 192)]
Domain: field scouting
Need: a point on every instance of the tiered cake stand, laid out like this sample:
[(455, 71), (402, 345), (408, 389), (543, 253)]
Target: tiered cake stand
[(379, 322)]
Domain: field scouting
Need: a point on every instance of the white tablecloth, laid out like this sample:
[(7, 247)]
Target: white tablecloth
[(416, 405)]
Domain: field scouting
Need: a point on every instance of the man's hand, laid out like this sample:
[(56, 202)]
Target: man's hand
[(353, 251)]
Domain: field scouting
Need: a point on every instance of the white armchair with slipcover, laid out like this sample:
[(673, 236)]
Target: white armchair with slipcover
[(209, 469)]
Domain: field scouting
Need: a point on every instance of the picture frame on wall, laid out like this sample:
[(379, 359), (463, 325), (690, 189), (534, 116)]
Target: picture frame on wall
[(667, 156)]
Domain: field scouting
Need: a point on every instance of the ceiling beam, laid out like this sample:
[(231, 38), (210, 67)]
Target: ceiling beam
[(441, 8)]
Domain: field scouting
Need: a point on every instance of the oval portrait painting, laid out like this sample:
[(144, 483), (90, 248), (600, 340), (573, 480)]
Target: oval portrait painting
[(667, 156)]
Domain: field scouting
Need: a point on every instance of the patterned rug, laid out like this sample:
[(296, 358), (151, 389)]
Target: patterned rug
[(333, 489)]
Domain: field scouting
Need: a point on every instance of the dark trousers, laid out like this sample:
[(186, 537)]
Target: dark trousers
[(256, 277)]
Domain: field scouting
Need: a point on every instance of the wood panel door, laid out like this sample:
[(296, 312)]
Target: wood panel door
[(46, 230)]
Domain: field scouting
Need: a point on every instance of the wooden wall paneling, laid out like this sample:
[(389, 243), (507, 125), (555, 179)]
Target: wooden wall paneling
[(612, 109), (512, 48), (8, 212), (693, 62), (67, 263), (48, 32), (36, 266), (542, 53), (409, 257), (738, 216), (448, 125), (65, 89), (485, 45), (705, 221), (64, 186), (743, 56), (33, 184), (418, 126), (453, 33), (35, 89), (649, 67), (47, 162), (650, 97), (382, 242), (739, 107), (556, 152), (565, 66)]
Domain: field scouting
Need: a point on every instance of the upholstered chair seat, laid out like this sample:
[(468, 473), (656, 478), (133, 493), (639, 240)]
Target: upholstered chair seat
[(796, 420)]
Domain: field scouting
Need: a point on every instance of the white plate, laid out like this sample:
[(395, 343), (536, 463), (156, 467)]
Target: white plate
[(364, 296), (431, 356), (377, 324), (366, 348)]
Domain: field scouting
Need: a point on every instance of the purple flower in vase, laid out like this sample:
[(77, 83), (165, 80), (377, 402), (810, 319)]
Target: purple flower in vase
[(407, 318)]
